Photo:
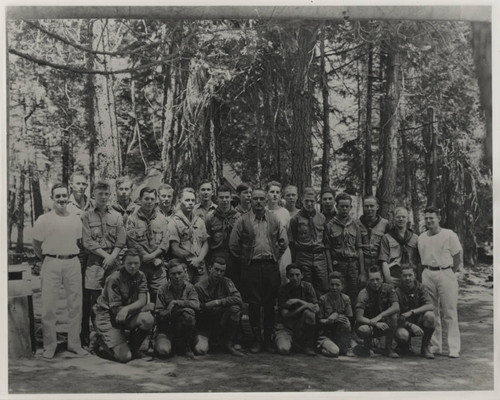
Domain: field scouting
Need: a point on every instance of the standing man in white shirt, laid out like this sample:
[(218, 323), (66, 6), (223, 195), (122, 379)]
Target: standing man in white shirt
[(55, 237), (441, 254)]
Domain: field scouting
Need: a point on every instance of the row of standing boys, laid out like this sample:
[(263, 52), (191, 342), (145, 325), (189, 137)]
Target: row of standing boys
[(196, 259)]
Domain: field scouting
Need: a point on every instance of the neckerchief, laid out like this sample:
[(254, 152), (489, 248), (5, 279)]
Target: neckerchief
[(194, 239), (403, 242), (310, 221), (225, 217), (144, 217), (370, 225)]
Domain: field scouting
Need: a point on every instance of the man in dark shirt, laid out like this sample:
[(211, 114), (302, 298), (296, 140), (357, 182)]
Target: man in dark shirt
[(417, 315), (176, 304), (343, 237), (373, 227), (328, 203), (377, 311), (122, 305), (307, 243), (220, 309), (297, 308), (219, 225), (334, 326)]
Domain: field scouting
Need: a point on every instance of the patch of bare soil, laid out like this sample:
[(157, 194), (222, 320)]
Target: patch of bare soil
[(219, 372)]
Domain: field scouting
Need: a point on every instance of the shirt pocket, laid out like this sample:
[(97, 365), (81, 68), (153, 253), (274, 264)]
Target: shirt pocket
[(158, 235), (112, 229), (303, 234), (140, 234), (95, 231)]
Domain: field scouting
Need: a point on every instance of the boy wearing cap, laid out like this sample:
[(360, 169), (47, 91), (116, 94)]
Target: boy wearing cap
[(307, 243)]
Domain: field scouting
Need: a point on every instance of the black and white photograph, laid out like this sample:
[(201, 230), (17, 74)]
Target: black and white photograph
[(213, 199)]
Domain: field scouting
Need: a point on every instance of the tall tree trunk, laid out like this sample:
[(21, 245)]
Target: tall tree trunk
[(302, 108), (108, 142), (431, 159), (166, 111), (481, 45), (89, 105), (368, 181), (65, 150), (20, 211), (35, 190), (327, 141), (11, 215), (389, 121), (258, 140)]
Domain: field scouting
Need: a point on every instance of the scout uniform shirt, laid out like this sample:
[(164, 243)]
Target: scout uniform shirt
[(185, 296), (331, 303), (344, 240), (374, 302), (219, 226), (120, 290), (125, 212), (306, 232), (397, 250), (202, 212), (102, 229), (191, 235), (371, 235), (145, 233), (74, 208), (304, 291), (409, 299), (223, 290)]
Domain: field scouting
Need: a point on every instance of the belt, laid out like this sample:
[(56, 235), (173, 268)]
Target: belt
[(61, 257), (263, 260), (435, 268)]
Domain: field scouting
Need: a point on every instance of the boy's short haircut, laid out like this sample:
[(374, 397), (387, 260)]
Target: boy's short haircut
[(165, 186), (132, 252), (205, 181), (370, 197), (175, 262), (219, 260), (327, 189), (433, 209), (406, 267), (272, 183), (58, 185), (102, 185), (374, 269), (124, 179), (242, 187), (291, 266), (290, 187), (79, 173), (223, 189), (147, 189), (336, 275), (186, 190), (342, 196)]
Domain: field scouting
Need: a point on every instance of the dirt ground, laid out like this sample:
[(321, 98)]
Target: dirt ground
[(219, 372)]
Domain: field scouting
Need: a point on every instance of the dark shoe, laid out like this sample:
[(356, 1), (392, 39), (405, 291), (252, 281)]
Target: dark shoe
[(404, 349), (309, 351), (427, 353), (391, 353), (232, 350), (256, 347)]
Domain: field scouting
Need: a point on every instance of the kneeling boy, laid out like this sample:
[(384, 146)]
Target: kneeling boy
[(334, 313), (297, 306), (176, 304), (122, 306)]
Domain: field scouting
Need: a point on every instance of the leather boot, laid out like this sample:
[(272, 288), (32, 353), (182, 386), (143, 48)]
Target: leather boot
[(425, 349)]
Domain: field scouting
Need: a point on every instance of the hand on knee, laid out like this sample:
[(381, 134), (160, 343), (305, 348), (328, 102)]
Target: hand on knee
[(309, 317)]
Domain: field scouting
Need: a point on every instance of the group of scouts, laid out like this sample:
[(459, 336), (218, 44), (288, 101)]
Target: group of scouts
[(186, 274)]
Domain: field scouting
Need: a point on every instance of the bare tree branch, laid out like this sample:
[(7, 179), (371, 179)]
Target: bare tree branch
[(79, 70)]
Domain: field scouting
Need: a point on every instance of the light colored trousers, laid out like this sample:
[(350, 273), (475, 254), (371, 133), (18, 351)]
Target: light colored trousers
[(442, 286), (54, 273)]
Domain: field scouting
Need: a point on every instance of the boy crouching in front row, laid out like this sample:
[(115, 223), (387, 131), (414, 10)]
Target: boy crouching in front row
[(121, 306)]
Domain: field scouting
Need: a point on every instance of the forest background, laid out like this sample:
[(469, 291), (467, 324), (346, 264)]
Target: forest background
[(390, 108)]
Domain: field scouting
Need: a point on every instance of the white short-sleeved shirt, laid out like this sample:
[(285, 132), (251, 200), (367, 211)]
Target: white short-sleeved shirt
[(283, 215), (438, 250), (58, 234)]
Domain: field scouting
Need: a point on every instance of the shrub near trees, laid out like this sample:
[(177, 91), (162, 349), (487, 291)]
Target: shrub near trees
[(384, 107)]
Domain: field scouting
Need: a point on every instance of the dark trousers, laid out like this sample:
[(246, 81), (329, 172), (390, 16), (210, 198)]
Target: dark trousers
[(314, 269), (260, 283), (350, 271)]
